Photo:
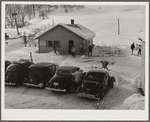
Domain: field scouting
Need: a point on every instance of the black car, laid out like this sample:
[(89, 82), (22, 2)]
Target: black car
[(62, 80), (16, 72), (39, 74), (95, 84), (6, 36), (7, 63)]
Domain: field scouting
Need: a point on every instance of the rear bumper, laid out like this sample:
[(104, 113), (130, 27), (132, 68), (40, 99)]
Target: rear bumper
[(28, 84), (88, 96), (53, 89), (13, 84)]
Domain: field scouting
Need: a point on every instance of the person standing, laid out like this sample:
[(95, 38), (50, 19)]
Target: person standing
[(132, 47), (90, 50), (73, 50), (139, 51), (55, 48), (77, 76), (81, 48)]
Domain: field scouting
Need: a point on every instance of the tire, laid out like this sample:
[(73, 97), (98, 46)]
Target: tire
[(41, 87), (33, 79), (112, 83), (25, 78), (101, 93)]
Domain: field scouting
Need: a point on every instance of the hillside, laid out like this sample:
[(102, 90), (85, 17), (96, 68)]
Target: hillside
[(131, 19)]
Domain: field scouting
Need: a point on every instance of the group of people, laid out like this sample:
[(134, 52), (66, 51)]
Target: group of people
[(87, 50), (133, 47)]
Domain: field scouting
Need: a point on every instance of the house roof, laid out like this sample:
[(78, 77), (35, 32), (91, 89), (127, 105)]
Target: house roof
[(77, 29)]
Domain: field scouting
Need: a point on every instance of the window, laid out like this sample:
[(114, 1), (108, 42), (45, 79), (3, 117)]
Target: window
[(95, 77), (49, 43), (57, 43), (53, 43), (12, 69), (63, 72)]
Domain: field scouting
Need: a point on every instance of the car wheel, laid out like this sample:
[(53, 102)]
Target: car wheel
[(32, 79), (101, 93), (42, 86), (25, 78)]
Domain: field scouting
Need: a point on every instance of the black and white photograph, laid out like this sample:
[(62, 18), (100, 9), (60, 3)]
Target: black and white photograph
[(74, 60)]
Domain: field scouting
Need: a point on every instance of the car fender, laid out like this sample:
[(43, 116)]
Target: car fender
[(101, 85)]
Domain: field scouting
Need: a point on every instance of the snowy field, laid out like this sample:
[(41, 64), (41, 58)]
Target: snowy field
[(125, 67)]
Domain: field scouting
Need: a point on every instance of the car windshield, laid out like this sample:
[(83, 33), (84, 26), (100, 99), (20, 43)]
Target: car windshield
[(63, 72), (12, 69), (95, 77)]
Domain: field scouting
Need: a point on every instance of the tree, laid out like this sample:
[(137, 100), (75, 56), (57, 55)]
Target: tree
[(43, 14)]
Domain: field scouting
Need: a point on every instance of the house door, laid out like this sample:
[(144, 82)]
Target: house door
[(71, 43)]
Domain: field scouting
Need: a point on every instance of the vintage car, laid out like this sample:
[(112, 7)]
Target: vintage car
[(7, 63), (95, 84), (62, 80), (6, 36), (16, 72), (39, 74)]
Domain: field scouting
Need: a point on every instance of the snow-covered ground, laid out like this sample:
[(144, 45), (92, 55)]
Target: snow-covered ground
[(125, 67)]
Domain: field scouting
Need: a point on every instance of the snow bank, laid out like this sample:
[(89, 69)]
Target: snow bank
[(134, 102)]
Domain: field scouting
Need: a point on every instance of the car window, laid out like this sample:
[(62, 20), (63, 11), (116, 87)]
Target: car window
[(94, 77), (63, 72), (12, 69)]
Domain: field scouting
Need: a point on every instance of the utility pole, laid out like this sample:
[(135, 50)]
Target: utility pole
[(118, 27), (31, 57)]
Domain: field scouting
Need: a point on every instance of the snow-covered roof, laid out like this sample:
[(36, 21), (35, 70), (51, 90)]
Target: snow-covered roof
[(75, 28)]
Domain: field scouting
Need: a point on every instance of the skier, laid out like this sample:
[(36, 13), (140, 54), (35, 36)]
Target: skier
[(132, 47)]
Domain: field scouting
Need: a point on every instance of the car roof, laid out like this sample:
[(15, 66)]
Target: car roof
[(97, 71), (42, 65), (68, 67), (21, 62)]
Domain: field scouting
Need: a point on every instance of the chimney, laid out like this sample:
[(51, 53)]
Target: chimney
[(72, 21)]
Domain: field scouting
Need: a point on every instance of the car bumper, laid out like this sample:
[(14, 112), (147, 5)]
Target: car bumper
[(53, 89), (88, 96), (28, 84), (9, 83)]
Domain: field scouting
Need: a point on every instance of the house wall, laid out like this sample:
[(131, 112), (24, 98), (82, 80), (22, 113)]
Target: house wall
[(63, 35)]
